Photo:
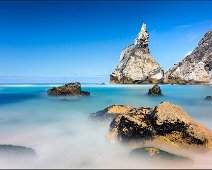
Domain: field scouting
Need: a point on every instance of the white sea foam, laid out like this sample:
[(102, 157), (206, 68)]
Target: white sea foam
[(69, 144)]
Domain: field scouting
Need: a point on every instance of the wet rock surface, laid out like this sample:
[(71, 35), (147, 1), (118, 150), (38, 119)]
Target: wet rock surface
[(165, 125), (155, 90), (70, 89)]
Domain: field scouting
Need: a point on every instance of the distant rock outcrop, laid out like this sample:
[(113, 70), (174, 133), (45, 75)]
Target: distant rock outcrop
[(166, 126), (72, 89), (196, 68), (155, 90), (136, 65)]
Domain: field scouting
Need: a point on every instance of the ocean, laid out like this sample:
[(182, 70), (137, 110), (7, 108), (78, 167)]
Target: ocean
[(59, 130)]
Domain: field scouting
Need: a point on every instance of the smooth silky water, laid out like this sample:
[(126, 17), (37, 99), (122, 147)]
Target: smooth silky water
[(59, 130)]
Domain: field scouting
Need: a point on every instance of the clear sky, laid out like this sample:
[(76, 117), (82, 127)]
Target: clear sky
[(84, 39)]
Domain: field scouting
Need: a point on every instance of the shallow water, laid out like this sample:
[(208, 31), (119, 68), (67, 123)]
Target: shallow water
[(58, 130)]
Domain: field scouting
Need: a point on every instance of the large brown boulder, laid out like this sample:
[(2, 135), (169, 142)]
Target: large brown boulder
[(133, 125), (72, 89), (167, 125)]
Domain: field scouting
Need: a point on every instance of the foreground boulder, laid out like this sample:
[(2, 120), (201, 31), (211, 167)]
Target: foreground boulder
[(72, 89), (133, 125), (12, 151), (195, 68), (136, 65), (167, 125), (154, 153), (155, 90), (110, 112)]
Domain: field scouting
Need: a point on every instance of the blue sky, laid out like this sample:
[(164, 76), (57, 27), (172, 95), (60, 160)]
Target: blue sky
[(84, 39)]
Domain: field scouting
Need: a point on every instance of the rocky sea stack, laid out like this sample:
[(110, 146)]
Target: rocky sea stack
[(70, 89), (136, 65), (196, 68)]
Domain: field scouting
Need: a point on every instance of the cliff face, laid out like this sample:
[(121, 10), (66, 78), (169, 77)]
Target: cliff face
[(136, 65), (196, 68)]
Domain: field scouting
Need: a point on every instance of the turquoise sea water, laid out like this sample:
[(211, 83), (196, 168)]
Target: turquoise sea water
[(62, 136)]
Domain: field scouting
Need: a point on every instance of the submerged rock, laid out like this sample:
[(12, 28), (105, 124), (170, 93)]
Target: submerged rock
[(136, 65), (73, 89), (155, 90), (167, 125), (195, 68), (154, 153), (16, 151), (208, 98), (110, 112)]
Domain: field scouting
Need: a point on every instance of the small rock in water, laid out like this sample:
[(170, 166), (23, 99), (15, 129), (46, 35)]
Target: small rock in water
[(155, 90), (12, 151), (208, 98), (70, 89), (152, 153)]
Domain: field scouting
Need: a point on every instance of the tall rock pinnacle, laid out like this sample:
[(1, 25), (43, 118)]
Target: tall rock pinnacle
[(136, 65), (143, 36)]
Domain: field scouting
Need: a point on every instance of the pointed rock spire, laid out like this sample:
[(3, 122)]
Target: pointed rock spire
[(143, 36)]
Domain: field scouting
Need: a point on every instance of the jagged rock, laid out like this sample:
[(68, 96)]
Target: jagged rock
[(136, 65), (154, 153), (168, 125), (68, 89), (195, 68), (208, 98), (135, 122), (16, 151), (110, 112), (155, 90)]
